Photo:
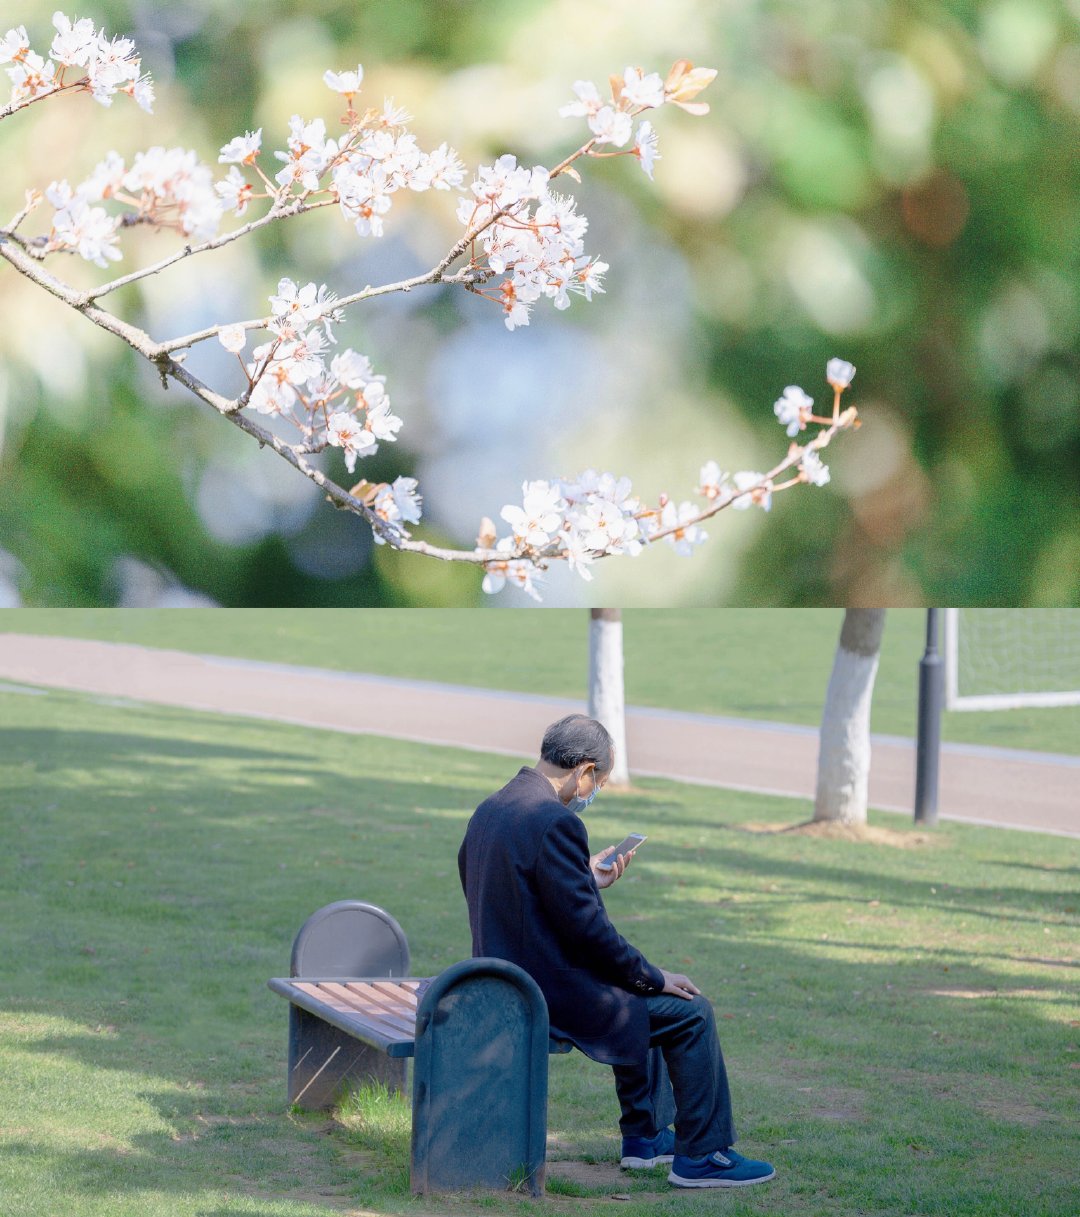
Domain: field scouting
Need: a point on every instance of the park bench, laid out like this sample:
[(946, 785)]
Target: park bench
[(478, 1035)]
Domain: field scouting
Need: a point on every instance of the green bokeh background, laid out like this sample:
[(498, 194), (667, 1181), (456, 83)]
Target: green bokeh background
[(891, 182)]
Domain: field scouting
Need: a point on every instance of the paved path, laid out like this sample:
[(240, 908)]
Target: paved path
[(1000, 786)]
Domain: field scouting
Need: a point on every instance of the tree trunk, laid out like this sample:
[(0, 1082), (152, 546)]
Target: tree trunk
[(606, 698), (844, 752)]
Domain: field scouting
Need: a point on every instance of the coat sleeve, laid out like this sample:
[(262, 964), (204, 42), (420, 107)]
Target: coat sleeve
[(572, 902)]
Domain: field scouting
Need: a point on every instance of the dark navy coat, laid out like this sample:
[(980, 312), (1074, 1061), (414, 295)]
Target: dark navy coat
[(533, 900)]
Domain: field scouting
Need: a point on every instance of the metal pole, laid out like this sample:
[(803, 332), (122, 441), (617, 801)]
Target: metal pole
[(928, 748)]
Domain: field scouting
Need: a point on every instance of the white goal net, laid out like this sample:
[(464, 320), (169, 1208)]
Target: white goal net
[(1000, 658)]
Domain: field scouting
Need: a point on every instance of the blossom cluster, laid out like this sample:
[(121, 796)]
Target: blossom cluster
[(106, 66), (596, 514), (335, 400), (539, 253), (374, 159), (611, 119), (579, 520), (173, 188), (169, 187)]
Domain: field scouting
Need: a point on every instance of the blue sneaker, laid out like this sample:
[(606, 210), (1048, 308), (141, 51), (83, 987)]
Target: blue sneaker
[(725, 1168), (638, 1153)]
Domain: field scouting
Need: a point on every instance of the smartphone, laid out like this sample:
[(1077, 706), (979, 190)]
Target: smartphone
[(624, 847)]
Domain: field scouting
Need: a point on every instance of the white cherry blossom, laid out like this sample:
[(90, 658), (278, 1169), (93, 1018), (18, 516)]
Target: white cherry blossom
[(14, 45), (344, 82), (712, 481), (588, 101), (32, 77), (442, 170), (603, 526), (686, 534), (106, 179), (89, 231), (393, 115), (759, 495), (641, 90), (793, 409), (839, 373), (380, 421), (299, 304), (579, 557), (75, 42), (352, 369), (611, 126), (343, 431), (645, 147), (233, 338), (519, 573), (234, 191), (309, 155), (143, 93), (114, 67), (174, 184), (396, 502), (540, 515), (271, 395), (242, 150), (813, 468), (110, 66)]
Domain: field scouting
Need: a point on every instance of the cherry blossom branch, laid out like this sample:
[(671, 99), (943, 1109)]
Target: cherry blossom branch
[(436, 275), (765, 484), (515, 231), (144, 345), (483, 555), (467, 277), (13, 107)]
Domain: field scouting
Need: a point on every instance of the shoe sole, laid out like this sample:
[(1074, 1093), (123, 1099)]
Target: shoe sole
[(679, 1181), (637, 1164)]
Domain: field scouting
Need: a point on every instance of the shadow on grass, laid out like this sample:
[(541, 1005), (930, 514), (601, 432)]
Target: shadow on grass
[(264, 1158), (53, 750)]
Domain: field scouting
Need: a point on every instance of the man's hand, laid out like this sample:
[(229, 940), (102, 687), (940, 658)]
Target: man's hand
[(606, 877), (679, 986)]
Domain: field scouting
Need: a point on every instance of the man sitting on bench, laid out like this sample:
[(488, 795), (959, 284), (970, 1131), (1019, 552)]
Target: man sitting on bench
[(534, 899)]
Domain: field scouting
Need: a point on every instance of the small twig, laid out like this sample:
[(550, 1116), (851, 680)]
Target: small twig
[(794, 456), (189, 251), (13, 107)]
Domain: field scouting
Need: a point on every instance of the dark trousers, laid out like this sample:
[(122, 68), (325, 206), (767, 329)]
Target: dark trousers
[(683, 1079)]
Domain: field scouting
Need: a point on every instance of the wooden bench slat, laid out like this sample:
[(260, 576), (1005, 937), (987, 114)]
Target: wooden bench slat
[(384, 995), (307, 996), (397, 992), (342, 991), (377, 1012), (338, 998)]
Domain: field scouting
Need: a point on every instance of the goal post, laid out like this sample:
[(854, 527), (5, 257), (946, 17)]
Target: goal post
[(1007, 658)]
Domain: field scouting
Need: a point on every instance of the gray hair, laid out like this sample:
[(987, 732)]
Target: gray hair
[(576, 739)]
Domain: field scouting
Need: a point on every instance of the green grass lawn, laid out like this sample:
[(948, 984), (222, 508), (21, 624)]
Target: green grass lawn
[(901, 1024), (753, 663)]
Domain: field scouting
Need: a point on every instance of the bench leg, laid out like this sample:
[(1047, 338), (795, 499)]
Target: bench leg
[(324, 1063)]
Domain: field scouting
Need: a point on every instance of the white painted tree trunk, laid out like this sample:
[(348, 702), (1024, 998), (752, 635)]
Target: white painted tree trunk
[(606, 696), (844, 752)]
